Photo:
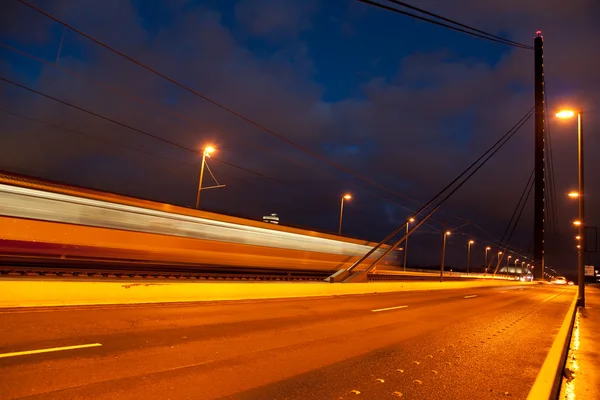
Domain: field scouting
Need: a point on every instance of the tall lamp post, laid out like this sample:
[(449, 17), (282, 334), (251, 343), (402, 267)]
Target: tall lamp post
[(488, 248), (580, 195), (508, 264), (406, 241), (471, 242), (205, 153), (446, 234), (499, 261), (344, 197)]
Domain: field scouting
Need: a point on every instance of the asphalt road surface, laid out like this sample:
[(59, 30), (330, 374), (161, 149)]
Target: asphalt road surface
[(486, 343)]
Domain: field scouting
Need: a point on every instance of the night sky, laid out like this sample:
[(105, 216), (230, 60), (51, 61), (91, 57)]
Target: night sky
[(402, 102)]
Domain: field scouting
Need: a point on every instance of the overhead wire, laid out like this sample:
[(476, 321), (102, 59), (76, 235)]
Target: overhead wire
[(414, 8), (139, 99), (454, 28), (153, 136), (237, 114), (219, 105), (189, 119)]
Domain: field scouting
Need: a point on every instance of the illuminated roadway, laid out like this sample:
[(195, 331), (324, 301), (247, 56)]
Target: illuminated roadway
[(486, 343)]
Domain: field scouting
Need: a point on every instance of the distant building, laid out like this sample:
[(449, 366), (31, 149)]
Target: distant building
[(271, 219)]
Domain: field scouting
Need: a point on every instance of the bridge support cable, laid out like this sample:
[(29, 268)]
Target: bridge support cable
[(503, 242), (441, 202), (470, 170), (521, 206), (469, 30)]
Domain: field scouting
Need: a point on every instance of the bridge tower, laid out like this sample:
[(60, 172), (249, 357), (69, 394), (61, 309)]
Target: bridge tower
[(540, 184)]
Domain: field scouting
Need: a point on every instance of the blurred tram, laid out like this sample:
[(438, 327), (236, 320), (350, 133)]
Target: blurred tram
[(46, 219)]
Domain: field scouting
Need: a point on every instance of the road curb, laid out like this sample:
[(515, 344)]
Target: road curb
[(547, 383)]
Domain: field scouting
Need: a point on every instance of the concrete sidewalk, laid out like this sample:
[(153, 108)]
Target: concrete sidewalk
[(581, 378)]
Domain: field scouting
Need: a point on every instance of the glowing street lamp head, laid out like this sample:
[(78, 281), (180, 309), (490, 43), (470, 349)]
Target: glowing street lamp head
[(509, 256), (564, 114), (499, 253), (577, 223), (573, 194), (411, 220), (578, 237), (448, 233), (471, 242), (347, 196), (488, 248), (208, 150)]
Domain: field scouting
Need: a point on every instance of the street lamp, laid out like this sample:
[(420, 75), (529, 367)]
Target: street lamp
[(471, 242), (406, 241), (573, 194), (577, 223), (344, 197), (488, 248), (508, 264), (205, 153), (446, 234), (580, 195)]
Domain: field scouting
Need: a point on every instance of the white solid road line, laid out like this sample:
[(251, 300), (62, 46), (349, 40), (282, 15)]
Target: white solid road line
[(389, 308), (24, 353), (471, 296)]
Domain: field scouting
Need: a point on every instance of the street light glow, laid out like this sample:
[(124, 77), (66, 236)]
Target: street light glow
[(471, 242), (578, 237), (411, 220), (577, 223), (208, 150), (488, 248), (447, 233), (499, 253), (564, 114), (573, 194), (347, 196)]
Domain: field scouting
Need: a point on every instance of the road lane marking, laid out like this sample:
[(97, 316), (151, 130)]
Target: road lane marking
[(503, 291), (471, 296), (52, 349), (389, 308)]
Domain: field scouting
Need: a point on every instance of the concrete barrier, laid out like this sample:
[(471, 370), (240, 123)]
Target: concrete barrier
[(45, 293), (547, 383)]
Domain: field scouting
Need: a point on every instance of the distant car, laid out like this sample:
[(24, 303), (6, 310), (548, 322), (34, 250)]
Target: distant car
[(571, 283), (559, 280)]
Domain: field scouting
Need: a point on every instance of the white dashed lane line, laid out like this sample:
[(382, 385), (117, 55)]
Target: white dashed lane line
[(471, 296), (389, 308), (49, 350)]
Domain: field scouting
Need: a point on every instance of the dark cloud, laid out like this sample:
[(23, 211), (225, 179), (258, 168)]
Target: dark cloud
[(275, 18)]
